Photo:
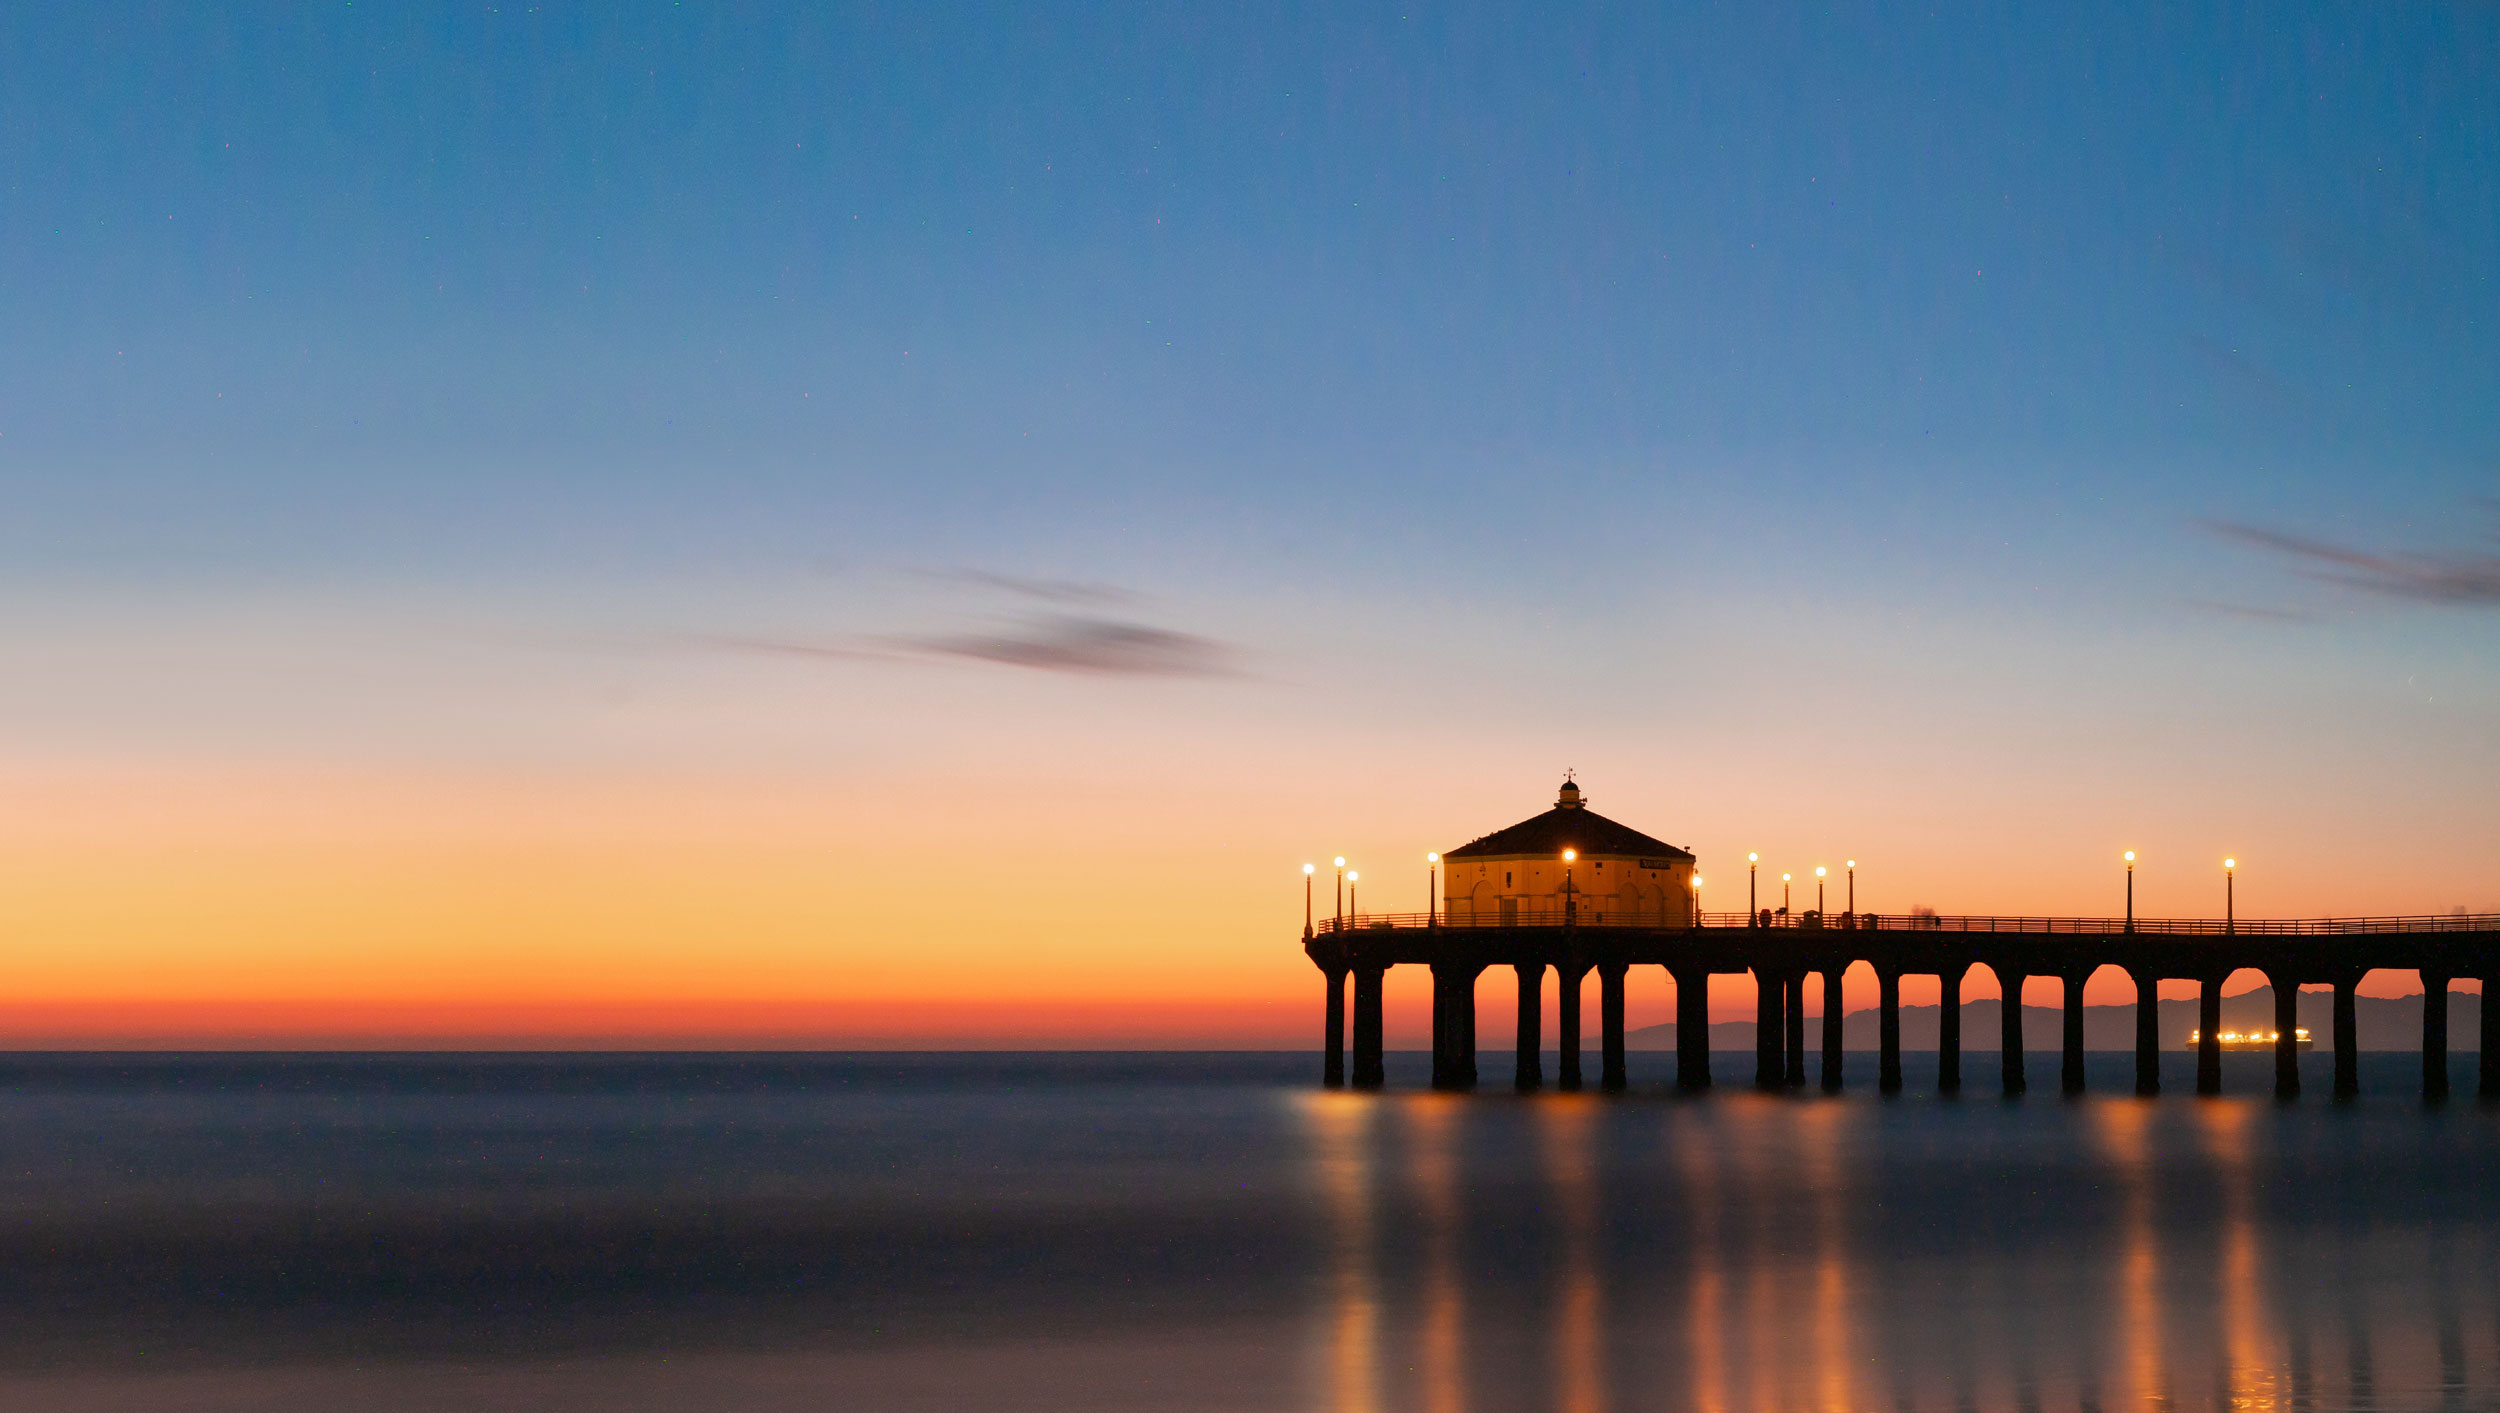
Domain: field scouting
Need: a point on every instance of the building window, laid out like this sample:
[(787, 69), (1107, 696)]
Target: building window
[(1506, 878)]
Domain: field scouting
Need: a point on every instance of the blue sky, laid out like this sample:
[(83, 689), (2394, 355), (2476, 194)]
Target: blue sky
[(1630, 386), (406, 288)]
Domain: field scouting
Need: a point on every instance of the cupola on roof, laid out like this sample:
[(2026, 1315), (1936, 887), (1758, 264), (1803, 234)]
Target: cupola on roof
[(1570, 824)]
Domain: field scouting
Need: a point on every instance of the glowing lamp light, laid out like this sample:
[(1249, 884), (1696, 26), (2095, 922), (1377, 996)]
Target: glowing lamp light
[(1432, 858), (1340, 860), (1753, 858), (1819, 870), (1784, 877), (1310, 868), (2130, 856), (1570, 854), (2230, 863), (1851, 863)]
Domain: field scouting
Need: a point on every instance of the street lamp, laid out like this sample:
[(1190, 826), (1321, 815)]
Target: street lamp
[(1853, 888), (1784, 894), (1307, 871), (1341, 892), (2230, 921), (1352, 907), (1753, 902), (1696, 900), (2131, 890), (1819, 871), (1432, 890)]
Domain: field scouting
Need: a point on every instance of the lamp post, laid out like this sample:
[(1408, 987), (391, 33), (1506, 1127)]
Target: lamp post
[(1353, 908), (1696, 900), (1307, 871), (1853, 888), (1753, 900), (1819, 871), (1341, 892), (1571, 909), (1432, 890), (2131, 890), (1784, 879), (2230, 920)]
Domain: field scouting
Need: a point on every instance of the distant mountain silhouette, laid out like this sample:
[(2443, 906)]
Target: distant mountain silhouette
[(2379, 1023)]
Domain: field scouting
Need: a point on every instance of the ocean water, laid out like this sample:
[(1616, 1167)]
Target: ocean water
[(1213, 1232)]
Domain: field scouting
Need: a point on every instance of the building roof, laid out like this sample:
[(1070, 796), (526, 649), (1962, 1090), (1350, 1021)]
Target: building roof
[(1567, 826)]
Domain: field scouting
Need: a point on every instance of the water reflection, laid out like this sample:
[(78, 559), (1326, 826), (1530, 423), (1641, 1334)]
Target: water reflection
[(1565, 1130), (2126, 1146), (1750, 1253), (1341, 1140), (1432, 1120)]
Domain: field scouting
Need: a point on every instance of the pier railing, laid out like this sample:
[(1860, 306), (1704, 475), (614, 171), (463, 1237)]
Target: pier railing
[(1923, 922)]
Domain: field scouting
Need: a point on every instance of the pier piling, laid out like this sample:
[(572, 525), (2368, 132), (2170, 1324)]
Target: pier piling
[(1528, 1073), (2209, 1035), (2010, 1035), (1949, 1031), (1888, 1032), (2434, 1036), (2347, 1040), (1332, 1065), (1610, 1076), (1832, 1016), (2488, 1087), (1767, 1064), (2147, 1035), (1367, 1067), (2286, 1036), (1793, 994), (1567, 979), (2070, 1069), (1692, 1030)]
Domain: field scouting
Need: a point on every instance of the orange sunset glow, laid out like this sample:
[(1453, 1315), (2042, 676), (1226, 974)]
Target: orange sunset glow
[(1076, 903)]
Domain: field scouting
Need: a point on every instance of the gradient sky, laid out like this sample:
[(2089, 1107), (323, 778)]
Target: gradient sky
[(910, 524)]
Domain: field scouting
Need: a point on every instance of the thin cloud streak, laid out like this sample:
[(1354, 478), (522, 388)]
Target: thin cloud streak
[(1062, 591), (2466, 580), (1094, 647)]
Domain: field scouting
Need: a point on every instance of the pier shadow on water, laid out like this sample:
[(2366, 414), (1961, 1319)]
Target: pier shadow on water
[(1065, 1232)]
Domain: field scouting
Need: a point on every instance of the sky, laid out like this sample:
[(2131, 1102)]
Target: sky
[(908, 525)]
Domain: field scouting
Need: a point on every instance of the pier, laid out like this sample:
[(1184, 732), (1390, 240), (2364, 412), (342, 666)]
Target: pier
[(1355, 953)]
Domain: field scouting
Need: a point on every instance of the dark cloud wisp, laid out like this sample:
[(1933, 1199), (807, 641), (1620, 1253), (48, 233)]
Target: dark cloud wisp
[(2457, 579), (1096, 646)]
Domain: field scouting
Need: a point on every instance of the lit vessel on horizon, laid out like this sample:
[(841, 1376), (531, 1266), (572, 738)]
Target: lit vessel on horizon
[(2255, 1039)]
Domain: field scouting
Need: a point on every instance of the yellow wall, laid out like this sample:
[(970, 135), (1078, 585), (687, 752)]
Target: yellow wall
[(1473, 887)]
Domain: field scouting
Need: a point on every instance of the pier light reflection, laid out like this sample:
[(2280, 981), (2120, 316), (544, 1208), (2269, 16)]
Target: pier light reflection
[(2126, 1146), (1823, 1135), (2252, 1375), (1781, 1253), (1343, 1132), (1566, 1128), (1432, 1121), (1697, 1146)]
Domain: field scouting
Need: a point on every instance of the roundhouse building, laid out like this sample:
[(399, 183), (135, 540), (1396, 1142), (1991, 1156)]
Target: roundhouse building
[(1619, 877)]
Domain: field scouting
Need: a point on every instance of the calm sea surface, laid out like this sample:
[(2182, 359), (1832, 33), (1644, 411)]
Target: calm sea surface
[(1212, 1232)]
